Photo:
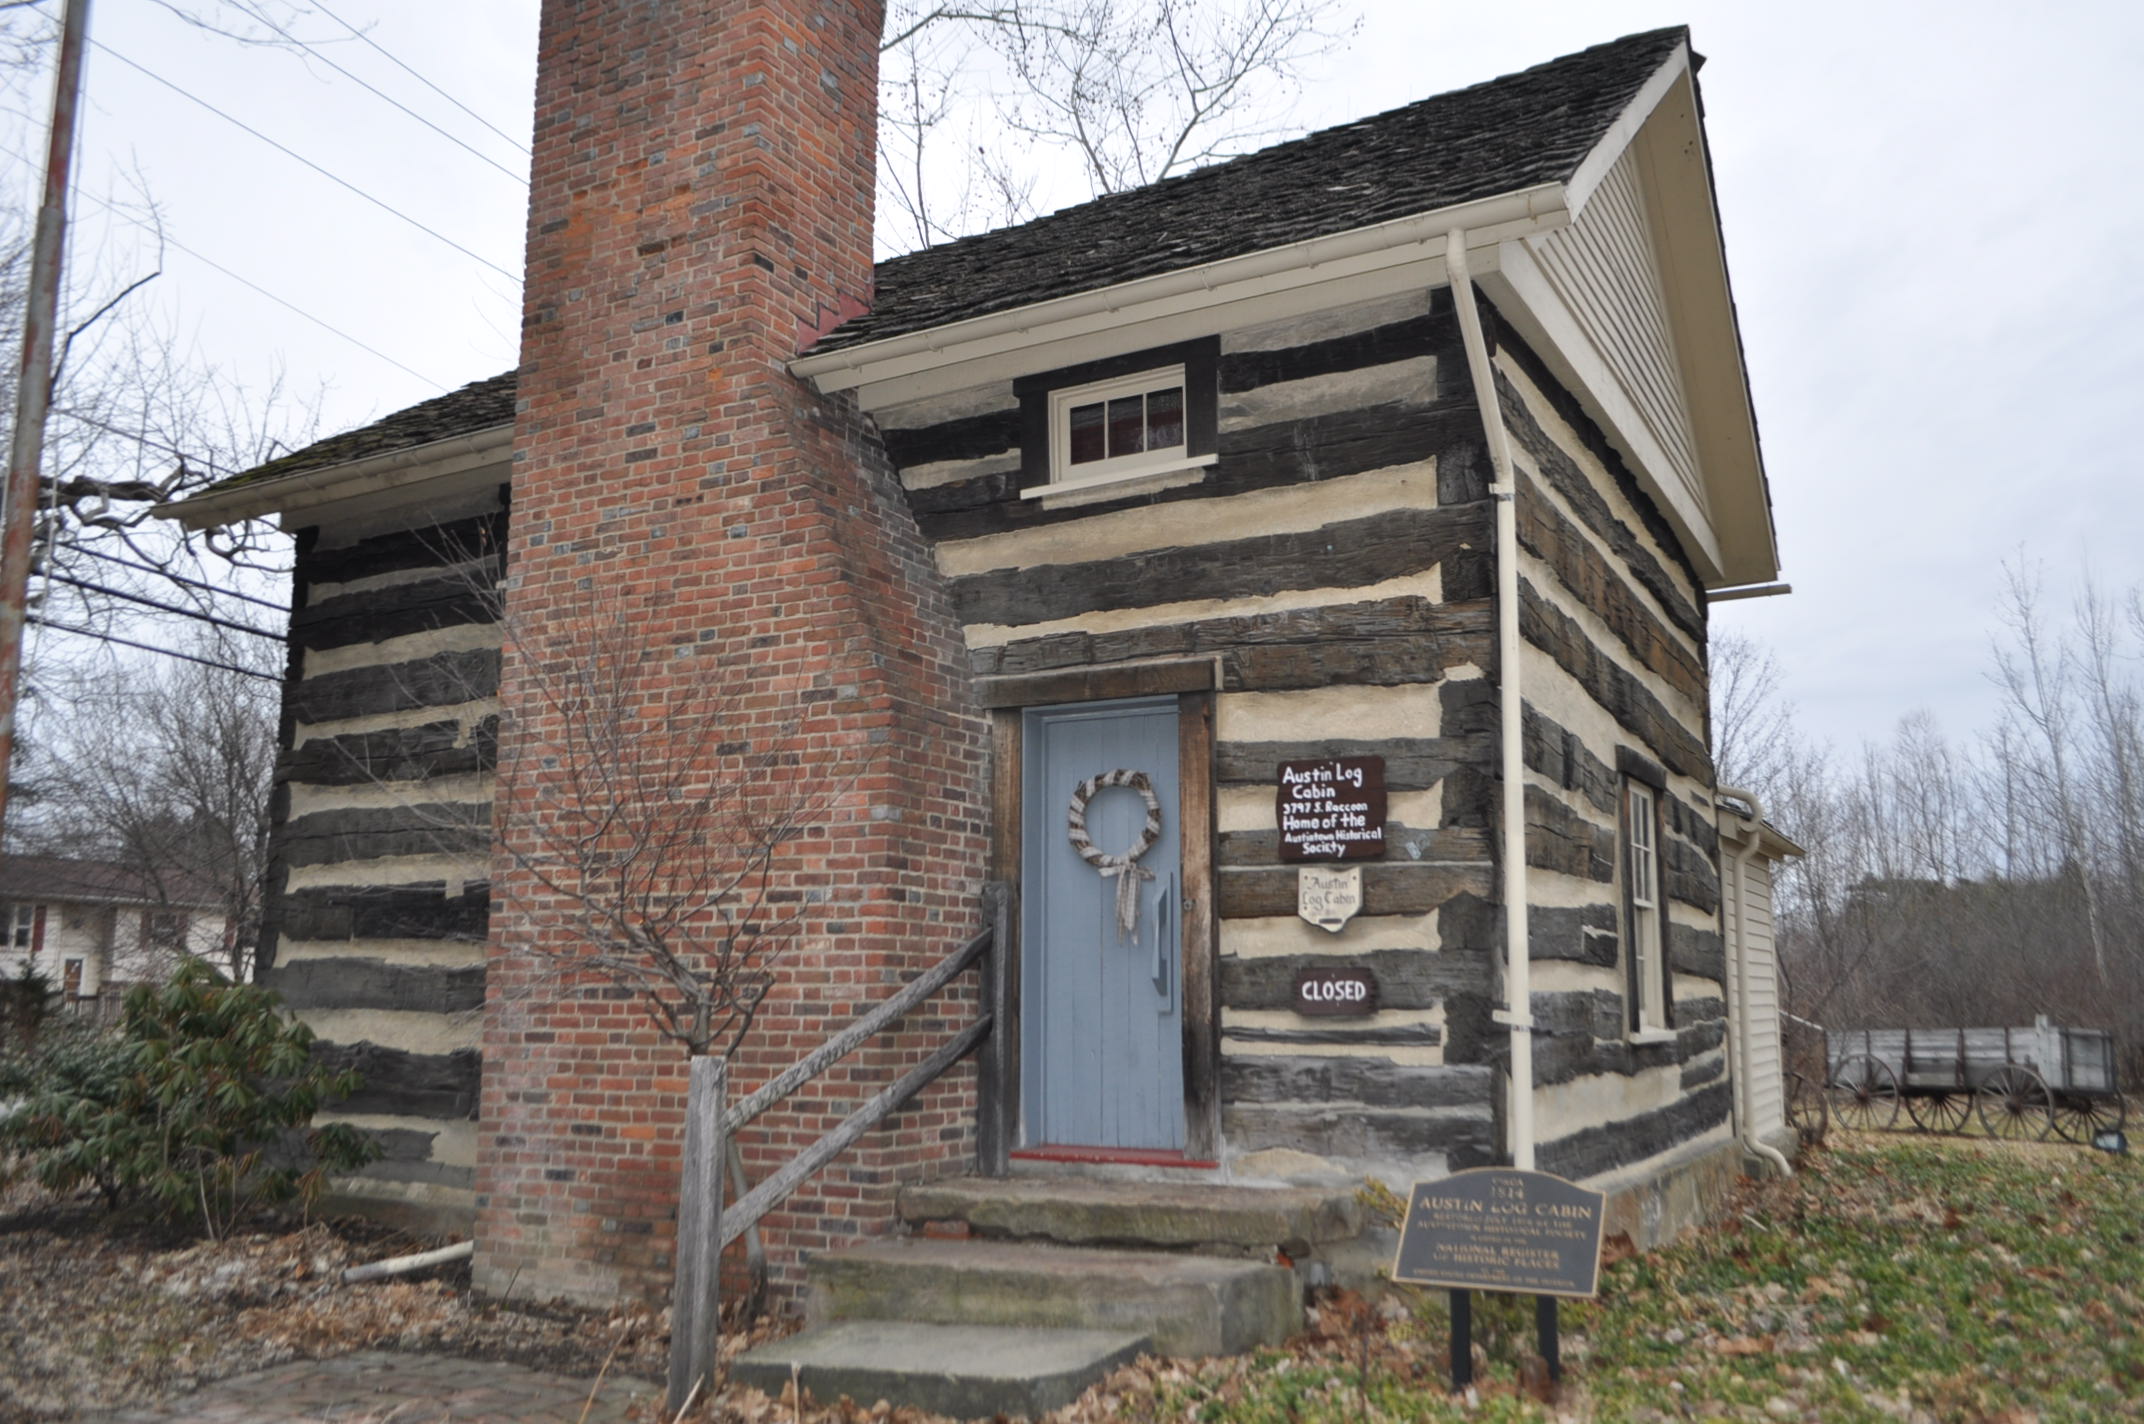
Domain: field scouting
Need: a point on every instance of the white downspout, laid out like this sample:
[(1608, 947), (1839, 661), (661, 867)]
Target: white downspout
[(1741, 952), (1517, 1013)]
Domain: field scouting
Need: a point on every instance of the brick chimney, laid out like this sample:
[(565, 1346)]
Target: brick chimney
[(700, 204)]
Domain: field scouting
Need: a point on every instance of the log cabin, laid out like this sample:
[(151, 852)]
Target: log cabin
[(1289, 580)]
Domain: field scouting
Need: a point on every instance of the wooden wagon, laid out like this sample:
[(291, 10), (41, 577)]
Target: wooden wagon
[(2021, 1082)]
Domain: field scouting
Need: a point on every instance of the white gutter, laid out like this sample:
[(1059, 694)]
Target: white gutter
[(1393, 242), (373, 474), (1748, 590), (1517, 1012), (1743, 1114)]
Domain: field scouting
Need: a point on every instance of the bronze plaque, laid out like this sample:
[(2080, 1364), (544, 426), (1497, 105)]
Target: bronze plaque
[(1500, 1229), (1344, 991), (1331, 809)]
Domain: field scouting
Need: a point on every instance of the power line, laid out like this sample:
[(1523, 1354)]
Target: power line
[(179, 578), (38, 620), (519, 146), (166, 238), (522, 179), (54, 576), (301, 158)]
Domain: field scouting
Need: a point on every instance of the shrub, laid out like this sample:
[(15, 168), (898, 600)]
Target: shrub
[(199, 1108), (25, 1001)]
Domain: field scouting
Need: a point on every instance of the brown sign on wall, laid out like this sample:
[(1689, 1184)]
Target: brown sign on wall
[(1500, 1229), (1342, 991), (1331, 809)]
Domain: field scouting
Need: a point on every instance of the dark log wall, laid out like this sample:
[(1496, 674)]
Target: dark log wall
[(1334, 566), (1613, 625), (380, 895)]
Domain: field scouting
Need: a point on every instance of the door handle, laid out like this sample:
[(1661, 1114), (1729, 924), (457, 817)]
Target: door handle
[(1163, 899)]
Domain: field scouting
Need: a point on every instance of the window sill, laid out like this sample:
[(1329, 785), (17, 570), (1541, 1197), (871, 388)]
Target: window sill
[(1645, 1036), (1116, 484)]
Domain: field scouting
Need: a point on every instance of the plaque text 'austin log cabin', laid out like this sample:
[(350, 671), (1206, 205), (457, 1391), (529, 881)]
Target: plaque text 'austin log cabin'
[(1332, 809)]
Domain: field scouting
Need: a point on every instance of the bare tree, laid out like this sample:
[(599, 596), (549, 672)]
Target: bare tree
[(1752, 724), (976, 100), (2035, 671), (164, 768), (665, 841)]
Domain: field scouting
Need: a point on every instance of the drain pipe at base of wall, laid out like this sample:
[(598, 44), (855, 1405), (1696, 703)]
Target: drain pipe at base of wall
[(1743, 1114), (1517, 1013)]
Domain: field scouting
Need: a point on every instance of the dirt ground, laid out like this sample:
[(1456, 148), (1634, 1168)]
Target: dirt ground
[(100, 1315)]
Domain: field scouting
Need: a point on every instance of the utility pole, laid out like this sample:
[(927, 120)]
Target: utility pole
[(33, 393)]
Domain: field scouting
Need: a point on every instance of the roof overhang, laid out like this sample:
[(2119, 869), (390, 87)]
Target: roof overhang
[(476, 459), (1727, 529), (1152, 311), (1726, 524)]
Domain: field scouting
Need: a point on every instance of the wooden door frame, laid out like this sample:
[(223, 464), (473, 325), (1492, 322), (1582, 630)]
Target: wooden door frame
[(1193, 682)]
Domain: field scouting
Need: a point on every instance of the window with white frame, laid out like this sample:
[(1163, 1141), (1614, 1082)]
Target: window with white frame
[(1641, 898), (1131, 421), (18, 924), (1131, 426)]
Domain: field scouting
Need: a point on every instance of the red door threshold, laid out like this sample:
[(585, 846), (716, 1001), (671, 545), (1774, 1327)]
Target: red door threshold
[(1123, 1156)]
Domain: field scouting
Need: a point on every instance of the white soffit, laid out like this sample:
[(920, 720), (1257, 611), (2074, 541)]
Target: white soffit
[(1727, 525), (481, 458), (1677, 169)]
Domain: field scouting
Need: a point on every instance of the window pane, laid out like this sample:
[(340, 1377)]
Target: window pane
[(1087, 433), (1165, 418), (1127, 425)]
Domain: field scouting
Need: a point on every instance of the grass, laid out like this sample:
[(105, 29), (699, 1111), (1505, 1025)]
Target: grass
[(1894, 1278)]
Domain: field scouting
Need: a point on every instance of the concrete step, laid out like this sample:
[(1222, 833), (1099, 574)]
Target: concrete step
[(1186, 1304), (1170, 1216), (967, 1371)]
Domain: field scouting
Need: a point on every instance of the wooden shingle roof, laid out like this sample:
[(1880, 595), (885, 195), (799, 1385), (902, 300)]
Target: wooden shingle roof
[(1502, 136)]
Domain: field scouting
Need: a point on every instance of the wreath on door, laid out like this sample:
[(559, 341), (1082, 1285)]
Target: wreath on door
[(1124, 868)]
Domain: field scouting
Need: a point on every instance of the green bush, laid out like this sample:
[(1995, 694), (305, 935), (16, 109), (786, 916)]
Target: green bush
[(199, 1108), (25, 1001)]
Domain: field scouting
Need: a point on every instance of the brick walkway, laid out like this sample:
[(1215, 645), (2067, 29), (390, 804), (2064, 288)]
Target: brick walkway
[(382, 1388)]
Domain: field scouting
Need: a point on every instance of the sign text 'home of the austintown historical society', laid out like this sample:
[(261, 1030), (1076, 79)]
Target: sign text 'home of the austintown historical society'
[(1501, 1229), (1331, 809)]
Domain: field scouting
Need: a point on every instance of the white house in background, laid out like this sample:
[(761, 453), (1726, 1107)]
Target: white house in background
[(94, 928)]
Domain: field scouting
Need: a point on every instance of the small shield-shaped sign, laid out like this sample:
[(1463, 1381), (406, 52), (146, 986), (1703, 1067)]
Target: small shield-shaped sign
[(1328, 895)]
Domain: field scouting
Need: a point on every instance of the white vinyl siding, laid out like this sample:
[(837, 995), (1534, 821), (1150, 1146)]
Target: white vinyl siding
[(1766, 1088), (1606, 270)]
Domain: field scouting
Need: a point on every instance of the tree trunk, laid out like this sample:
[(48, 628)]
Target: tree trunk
[(696, 1299)]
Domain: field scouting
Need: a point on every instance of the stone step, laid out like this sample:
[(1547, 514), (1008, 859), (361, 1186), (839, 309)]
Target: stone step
[(1186, 1304), (967, 1371), (1170, 1216)]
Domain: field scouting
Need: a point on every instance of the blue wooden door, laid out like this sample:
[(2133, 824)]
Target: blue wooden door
[(1102, 1009)]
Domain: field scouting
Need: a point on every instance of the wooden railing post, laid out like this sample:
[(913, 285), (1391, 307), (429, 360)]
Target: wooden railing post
[(696, 1299), (993, 1070)]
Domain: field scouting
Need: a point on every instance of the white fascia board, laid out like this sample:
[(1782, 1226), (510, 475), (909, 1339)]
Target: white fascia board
[(1526, 298), (1677, 174), (1625, 129), (1049, 334), (462, 455)]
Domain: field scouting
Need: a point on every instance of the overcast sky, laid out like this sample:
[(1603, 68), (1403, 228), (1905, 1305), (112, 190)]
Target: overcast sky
[(1932, 216)]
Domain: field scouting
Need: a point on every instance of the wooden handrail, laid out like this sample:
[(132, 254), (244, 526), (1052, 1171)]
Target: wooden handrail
[(704, 1228), (842, 1044), (769, 1194)]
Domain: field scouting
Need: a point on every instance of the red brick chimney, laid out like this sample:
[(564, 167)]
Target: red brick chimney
[(701, 202)]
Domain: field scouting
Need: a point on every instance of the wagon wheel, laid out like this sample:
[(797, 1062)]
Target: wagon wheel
[(2015, 1104), (1940, 1112), (1807, 1112), (2078, 1117), (1864, 1094)]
